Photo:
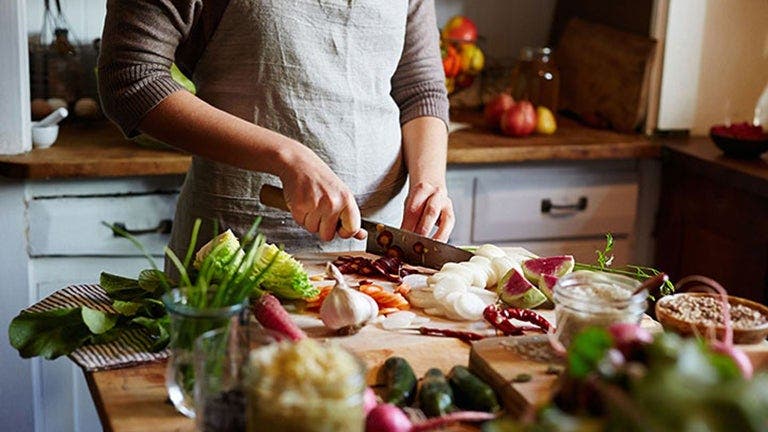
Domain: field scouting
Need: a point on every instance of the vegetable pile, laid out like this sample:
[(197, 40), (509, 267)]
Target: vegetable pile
[(624, 379), (224, 272), (438, 397)]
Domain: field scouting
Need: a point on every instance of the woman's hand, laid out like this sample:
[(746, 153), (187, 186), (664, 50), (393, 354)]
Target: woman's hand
[(428, 205), (318, 199)]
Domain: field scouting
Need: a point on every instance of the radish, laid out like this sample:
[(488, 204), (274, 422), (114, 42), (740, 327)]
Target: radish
[(369, 400), (629, 338), (724, 347), (272, 315), (389, 418)]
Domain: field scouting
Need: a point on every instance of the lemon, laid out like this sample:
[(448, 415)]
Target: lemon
[(545, 123)]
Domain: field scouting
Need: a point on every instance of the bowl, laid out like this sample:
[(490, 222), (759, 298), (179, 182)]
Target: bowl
[(671, 322), (741, 140), (44, 136)]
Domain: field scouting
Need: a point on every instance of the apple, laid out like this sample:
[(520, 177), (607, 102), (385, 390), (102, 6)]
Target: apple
[(496, 107), (460, 29), (520, 120)]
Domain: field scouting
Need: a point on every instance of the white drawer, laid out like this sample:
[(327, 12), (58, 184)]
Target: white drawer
[(530, 205), (73, 225)]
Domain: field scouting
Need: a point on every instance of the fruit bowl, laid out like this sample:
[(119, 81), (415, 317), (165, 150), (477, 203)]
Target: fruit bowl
[(668, 313), (740, 140)]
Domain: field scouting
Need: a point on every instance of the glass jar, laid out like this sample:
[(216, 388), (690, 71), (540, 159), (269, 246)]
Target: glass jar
[(306, 386), (595, 299), (221, 356), (536, 78), (187, 324)]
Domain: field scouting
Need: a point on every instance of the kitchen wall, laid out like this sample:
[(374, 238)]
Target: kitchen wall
[(715, 64), (505, 25)]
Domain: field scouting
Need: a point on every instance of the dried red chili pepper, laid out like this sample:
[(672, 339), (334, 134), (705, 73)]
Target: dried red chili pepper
[(501, 318), (466, 336)]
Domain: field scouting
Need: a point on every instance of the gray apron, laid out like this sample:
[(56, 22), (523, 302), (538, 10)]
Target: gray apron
[(317, 71)]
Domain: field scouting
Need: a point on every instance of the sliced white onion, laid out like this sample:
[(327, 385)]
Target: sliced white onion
[(398, 320), (469, 306), (416, 281), (419, 320), (447, 285), (490, 251), (422, 299), (502, 265), (485, 264), (458, 269), (479, 275), (487, 296)]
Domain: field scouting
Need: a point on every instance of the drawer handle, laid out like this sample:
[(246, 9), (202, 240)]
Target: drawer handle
[(547, 206), (164, 227)]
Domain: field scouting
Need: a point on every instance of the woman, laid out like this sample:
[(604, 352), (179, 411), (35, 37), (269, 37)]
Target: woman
[(335, 100)]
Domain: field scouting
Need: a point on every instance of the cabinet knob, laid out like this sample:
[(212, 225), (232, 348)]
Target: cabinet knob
[(547, 206), (163, 227)]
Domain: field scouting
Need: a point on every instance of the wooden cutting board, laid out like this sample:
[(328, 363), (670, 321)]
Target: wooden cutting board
[(502, 361), (373, 344)]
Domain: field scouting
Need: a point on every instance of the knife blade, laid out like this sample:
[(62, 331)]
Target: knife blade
[(386, 240), (410, 247)]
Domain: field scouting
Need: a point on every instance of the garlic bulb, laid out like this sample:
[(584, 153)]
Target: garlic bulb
[(344, 309)]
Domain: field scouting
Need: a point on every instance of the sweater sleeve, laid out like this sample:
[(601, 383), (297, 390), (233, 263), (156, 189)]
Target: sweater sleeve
[(418, 85), (138, 46)]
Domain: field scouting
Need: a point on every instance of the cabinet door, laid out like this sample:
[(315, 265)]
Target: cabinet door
[(63, 401), (461, 186)]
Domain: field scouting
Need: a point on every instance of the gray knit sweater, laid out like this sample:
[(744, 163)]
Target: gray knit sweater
[(143, 37)]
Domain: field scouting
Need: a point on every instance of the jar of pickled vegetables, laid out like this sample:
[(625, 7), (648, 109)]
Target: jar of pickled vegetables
[(305, 386), (596, 299)]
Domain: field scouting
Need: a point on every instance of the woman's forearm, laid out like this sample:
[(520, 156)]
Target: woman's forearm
[(425, 148), (319, 201), (184, 121)]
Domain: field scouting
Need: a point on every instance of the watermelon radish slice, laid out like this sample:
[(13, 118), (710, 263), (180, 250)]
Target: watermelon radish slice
[(516, 291), (547, 285), (555, 265)]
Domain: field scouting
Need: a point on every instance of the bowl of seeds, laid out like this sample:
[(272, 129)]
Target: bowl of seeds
[(701, 314)]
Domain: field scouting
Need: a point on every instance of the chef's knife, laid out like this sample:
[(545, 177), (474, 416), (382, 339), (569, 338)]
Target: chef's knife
[(385, 240)]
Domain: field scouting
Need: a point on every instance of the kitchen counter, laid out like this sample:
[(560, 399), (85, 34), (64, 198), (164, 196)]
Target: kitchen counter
[(701, 156), (99, 150)]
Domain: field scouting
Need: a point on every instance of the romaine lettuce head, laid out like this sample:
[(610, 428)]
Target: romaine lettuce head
[(224, 250), (286, 278)]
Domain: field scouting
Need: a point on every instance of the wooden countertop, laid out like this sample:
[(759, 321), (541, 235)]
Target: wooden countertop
[(700, 155), (99, 150), (93, 150)]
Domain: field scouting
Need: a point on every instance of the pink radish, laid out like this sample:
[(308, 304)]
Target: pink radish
[(389, 418), (724, 347), (272, 315), (369, 400), (629, 338)]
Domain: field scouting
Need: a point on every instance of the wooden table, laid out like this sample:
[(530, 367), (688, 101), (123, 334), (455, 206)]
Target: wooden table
[(135, 398)]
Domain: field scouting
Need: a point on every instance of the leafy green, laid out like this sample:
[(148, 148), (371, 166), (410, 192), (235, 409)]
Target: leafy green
[(98, 322), (586, 351), (287, 278), (127, 308), (49, 334), (605, 259)]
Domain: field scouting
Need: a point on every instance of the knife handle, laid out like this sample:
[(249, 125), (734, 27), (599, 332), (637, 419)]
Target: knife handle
[(273, 196)]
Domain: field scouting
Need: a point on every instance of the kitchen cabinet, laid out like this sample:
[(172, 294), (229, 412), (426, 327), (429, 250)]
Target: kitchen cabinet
[(712, 218), (549, 208), (65, 242)]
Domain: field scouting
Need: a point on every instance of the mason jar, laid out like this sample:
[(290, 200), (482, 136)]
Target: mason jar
[(187, 323), (305, 392), (596, 299)]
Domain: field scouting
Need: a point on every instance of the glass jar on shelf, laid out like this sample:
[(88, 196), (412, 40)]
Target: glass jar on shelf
[(536, 78)]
